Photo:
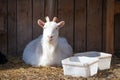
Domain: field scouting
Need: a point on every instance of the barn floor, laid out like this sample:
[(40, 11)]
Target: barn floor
[(15, 69)]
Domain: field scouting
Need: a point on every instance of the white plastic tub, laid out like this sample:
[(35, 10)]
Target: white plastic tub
[(80, 66), (104, 58)]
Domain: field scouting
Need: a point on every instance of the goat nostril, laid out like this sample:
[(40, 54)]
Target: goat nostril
[(50, 36)]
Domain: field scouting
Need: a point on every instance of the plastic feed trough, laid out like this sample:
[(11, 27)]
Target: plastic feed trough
[(104, 58), (80, 66)]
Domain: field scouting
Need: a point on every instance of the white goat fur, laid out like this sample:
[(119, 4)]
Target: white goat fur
[(47, 51)]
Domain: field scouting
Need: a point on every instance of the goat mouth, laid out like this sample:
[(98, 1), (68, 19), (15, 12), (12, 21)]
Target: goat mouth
[(50, 40)]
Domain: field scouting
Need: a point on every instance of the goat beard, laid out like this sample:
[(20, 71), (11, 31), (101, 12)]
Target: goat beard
[(50, 41)]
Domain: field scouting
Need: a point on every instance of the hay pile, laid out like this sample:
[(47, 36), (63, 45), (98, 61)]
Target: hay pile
[(15, 69)]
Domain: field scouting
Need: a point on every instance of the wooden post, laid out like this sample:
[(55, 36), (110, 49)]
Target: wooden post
[(109, 26), (51, 8)]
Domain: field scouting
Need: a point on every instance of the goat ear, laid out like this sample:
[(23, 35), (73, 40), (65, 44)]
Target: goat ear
[(41, 23), (61, 24), (55, 19)]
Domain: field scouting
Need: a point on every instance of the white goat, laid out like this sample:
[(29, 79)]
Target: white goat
[(48, 49)]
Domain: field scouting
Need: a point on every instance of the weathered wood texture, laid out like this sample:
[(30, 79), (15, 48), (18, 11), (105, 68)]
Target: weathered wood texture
[(66, 13), (24, 23), (80, 26), (12, 27), (38, 13), (83, 29), (3, 26), (117, 32), (94, 25), (51, 8), (117, 25), (109, 34)]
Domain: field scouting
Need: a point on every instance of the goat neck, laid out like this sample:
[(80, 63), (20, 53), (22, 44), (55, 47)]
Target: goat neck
[(49, 46)]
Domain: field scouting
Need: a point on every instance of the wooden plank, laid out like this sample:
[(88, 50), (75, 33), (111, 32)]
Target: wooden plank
[(12, 35), (66, 13), (117, 7), (104, 25), (94, 25), (80, 25), (2, 28), (24, 24), (38, 13), (117, 32), (51, 8), (109, 26), (3, 25)]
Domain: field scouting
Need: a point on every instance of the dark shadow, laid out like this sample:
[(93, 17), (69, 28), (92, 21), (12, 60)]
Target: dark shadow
[(117, 53), (3, 59), (115, 62), (104, 74), (14, 62), (117, 0)]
